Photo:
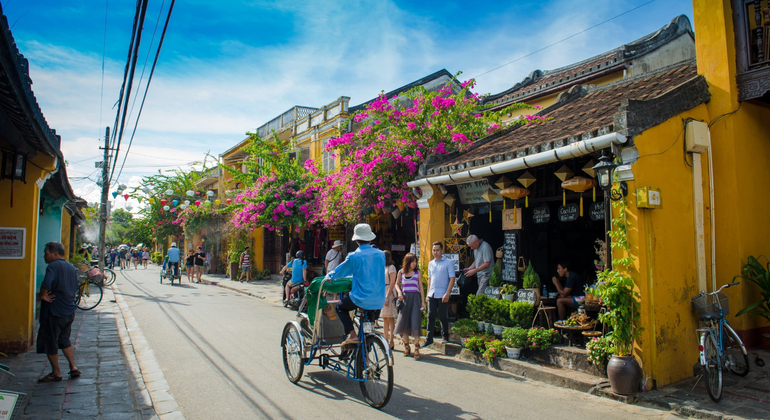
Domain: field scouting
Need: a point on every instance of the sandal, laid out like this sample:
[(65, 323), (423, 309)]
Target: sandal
[(392, 344), (416, 353), (50, 378), (407, 350), (75, 373)]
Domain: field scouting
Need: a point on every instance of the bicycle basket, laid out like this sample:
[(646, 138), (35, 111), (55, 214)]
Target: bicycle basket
[(708, 305)]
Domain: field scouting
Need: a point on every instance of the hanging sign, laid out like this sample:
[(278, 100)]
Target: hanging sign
[(526, 295), (492, 292), (473, 192), (569, 213), (337, 233), (596, 211), (541, 215), (510, 270), (508, 219), (12, 243), (455, 258)]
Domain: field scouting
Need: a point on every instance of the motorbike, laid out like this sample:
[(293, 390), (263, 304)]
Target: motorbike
[(297, 293)]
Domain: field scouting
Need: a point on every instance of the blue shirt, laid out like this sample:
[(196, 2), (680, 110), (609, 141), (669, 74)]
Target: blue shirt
[(439, 273), (367, 267), (61, 279), (296, 270), (173, 254)]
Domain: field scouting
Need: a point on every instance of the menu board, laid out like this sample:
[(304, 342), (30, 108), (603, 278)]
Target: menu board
[(596, 211), (510, 256), (455, 258), (541, 215), (569, 213), (526, 295)]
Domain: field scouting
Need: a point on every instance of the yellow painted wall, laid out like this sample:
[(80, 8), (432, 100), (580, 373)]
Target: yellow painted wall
[(257, 249), (66, 222), (17, 300), (432, 225)]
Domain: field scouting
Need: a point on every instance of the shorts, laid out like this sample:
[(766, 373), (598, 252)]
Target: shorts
[(54, 334), (575, 303), (246, 268)]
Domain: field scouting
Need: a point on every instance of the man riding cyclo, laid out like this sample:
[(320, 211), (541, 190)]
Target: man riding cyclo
[(173, 259), (366, 266)]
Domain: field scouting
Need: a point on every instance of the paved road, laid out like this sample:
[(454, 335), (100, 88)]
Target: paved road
[(220, 354)]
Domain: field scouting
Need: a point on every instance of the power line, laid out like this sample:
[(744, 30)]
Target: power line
[(147, 58), (564, 39), (104, 53)]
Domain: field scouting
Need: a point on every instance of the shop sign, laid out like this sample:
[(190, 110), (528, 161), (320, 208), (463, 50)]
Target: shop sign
[(12, 243), (508, 223), (336, 233), (455, 258), (526, 295), (400, 248), (472, 192), (569, 213), (541, 215), (492, 292), (10, 404), (510, 256), (596, 211)]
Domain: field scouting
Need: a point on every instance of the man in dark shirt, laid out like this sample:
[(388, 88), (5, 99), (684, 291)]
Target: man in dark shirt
[(57, 311), (573, 288)]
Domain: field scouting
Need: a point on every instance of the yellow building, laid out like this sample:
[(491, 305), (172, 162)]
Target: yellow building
[(693, 235), (37, 204)]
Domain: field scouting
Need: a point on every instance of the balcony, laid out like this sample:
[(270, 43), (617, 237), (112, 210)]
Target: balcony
[(751, 20)]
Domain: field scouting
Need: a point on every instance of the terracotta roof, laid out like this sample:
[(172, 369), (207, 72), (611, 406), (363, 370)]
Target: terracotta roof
[(419, 82), (583, 111)]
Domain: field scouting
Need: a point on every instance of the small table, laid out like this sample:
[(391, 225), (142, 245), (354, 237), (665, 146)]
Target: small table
[(574, 332)]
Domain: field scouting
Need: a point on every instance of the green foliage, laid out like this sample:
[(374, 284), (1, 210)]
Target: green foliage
[(478, 342), (465, 327), (475, 306), (497, 277), (530, 278), (157, 257), (599, 351), (237, 242), (540, 338), (508, 289), (515, 337), (265, 273), (495, 348), (500, 312), (520, 313), (758, 274), (489, 310)]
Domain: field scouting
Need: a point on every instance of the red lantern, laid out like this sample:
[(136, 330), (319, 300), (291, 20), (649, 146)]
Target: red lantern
[(126, 196), (162, 201), (198, 203), (228, 201)]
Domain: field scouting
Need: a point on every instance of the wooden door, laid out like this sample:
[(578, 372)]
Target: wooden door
[(272, 251)]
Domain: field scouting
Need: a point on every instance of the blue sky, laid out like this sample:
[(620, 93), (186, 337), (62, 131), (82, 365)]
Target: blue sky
[(229, 66)]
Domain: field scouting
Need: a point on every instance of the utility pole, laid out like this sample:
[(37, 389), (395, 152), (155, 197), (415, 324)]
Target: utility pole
[(103, 204)]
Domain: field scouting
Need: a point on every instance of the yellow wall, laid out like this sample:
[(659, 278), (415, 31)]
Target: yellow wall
[(432, 224), (257, 249), (17, 301)]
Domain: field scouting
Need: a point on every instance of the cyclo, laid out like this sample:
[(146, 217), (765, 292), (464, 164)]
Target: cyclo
[(313, 336)]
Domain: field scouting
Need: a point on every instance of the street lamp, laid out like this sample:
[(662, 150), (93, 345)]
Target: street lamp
[(604, 170)]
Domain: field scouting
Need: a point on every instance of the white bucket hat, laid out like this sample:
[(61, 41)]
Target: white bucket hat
[(363, 232), (337, 243), (173, 244)]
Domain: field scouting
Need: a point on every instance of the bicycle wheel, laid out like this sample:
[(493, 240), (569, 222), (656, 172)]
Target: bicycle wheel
[(712, 370), (88, 296), (109, 277), (736, 356), (291, 347), (373, 366)]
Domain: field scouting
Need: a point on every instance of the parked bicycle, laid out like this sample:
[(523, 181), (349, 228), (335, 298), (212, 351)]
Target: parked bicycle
[(89, 293), (720, 347)]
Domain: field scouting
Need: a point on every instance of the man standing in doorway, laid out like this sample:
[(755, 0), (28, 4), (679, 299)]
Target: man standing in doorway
[(483, 262), (573, 289), (57, 311), (441, 279)]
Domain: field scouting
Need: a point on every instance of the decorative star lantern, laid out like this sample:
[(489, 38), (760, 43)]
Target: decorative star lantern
[(579, 184), (490, 196), (514, 193), (526, 179), (457, 227), (503, 183), (564, 173), (467, 215)]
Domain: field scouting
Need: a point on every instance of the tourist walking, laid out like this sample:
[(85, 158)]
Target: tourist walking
[(188, 266), (441, 279), (145, 257), (199, 260), (389, 312), (409, 290), (245, 263)]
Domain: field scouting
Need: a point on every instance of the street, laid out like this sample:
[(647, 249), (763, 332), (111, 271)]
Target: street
[(219, 351)]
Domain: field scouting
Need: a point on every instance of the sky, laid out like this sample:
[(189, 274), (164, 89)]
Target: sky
[(229, 66)]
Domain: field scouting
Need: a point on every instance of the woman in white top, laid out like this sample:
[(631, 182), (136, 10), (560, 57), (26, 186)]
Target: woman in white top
[(389, 311)]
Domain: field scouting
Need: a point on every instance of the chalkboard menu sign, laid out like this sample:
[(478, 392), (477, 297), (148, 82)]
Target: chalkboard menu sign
[(526, 295), (569, 213), (596, 211), (493, 292), (510, 256), (541, 215)]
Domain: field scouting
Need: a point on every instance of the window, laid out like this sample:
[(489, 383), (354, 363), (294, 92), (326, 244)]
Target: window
[(304, 155), (328, 160)]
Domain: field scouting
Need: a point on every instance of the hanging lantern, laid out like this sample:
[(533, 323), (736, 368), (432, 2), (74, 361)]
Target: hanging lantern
[(183, 206), (163, 201), (450, 200), (175, 202), (122, 187), (564, 173), (115, 194), (198, 203), (197, 193), (139, 199), (126, 196), (503, 183), (146, 190), (514, 193), (166, 208), (229, 200), (190, 193), (210, 193), (186, 202), (579, 184), (217, 201), (129, 208), (207, 203), (169, 192), (526, 180), (396, 213), (151, 200), (401, 206), (490, 196)]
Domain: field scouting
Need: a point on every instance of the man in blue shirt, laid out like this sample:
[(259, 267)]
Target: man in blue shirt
[(366, 265), (173, 258), (441, 279), (573, 289), (298, 273)]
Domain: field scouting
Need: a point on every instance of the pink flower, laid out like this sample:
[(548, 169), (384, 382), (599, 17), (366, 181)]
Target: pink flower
[(411, 125)]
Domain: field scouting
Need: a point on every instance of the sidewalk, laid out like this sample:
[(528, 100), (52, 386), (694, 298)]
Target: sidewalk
[(111, 385), (268, 290)]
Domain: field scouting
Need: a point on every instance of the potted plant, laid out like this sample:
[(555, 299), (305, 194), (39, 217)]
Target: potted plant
[(540, 338), (488, 310), (508, 291), (515, 339), (521, 314), (475, 308), (500, 316), (758, 274), (496, 280), (465, 328), (495, 348), (599, 352), (531, 281)]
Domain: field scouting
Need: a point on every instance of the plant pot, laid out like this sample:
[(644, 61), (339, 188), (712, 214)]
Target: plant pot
[(233, 270), (513, 353), (424, 332), (498, 329), (624, 374), (487, 326), (508, 297), (482, 325)]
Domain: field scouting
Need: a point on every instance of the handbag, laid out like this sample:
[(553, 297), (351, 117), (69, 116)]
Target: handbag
[(461, 280), (399, 305)]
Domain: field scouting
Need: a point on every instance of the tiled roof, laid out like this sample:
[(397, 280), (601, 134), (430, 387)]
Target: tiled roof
[(419, 82), (583, 111)]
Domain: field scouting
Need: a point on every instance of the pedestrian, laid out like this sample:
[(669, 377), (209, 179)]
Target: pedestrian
[(145, 257), (136, 255), (188, 266), (57, 311), (409, 290), (198, 260), (245, 265), (389, 312), (334, 256), (173, 259), (298, 268), (483, 262), (113, 257), (441, 279), (122, 254)]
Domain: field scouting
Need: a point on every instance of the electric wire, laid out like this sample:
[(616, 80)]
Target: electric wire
[(146, 59), (104, 53)]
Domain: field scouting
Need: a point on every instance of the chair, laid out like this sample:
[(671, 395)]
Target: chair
[(544, 310)]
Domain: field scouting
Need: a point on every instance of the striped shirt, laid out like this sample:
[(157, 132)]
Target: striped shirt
[(411, 284), (245, 259)]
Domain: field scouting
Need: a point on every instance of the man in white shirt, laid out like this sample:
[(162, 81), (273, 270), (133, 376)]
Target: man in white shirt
[(441, 279), (334, 256)]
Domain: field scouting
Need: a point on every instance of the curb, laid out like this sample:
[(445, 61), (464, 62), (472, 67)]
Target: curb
[(682, 408), (141, 361)]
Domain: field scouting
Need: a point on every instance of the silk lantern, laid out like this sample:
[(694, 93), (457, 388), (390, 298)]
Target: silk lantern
[(503, 183), (190, 193), (126, 196), (166, 208), (115, 194), (186, 202), (514, 193), (210, 193), (579, 184), (564, 173), (228, 201), (217, 201), (490, 196), (183, 206), (526, 179), (198, 203), (151, 200), (169, 192), (163, 201)]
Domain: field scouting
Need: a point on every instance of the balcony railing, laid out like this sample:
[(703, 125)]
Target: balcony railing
[(751, 20)]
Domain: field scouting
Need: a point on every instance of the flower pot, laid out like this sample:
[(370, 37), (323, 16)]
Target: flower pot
[(482, 325), (624, 374), (233, 270), (424, 332), (487, 326), (513, 353), (498, 329), (508, 297)]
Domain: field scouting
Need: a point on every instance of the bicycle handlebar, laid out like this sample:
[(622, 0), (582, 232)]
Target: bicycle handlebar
[(735, 283)]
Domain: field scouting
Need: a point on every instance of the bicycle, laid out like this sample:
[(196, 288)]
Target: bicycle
[(89, 293), (719, 347)]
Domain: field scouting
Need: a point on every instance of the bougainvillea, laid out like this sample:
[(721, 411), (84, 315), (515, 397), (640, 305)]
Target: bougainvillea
[(393, 136)]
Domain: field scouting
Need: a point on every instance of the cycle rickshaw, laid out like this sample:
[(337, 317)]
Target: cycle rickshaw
[(313, 336)]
